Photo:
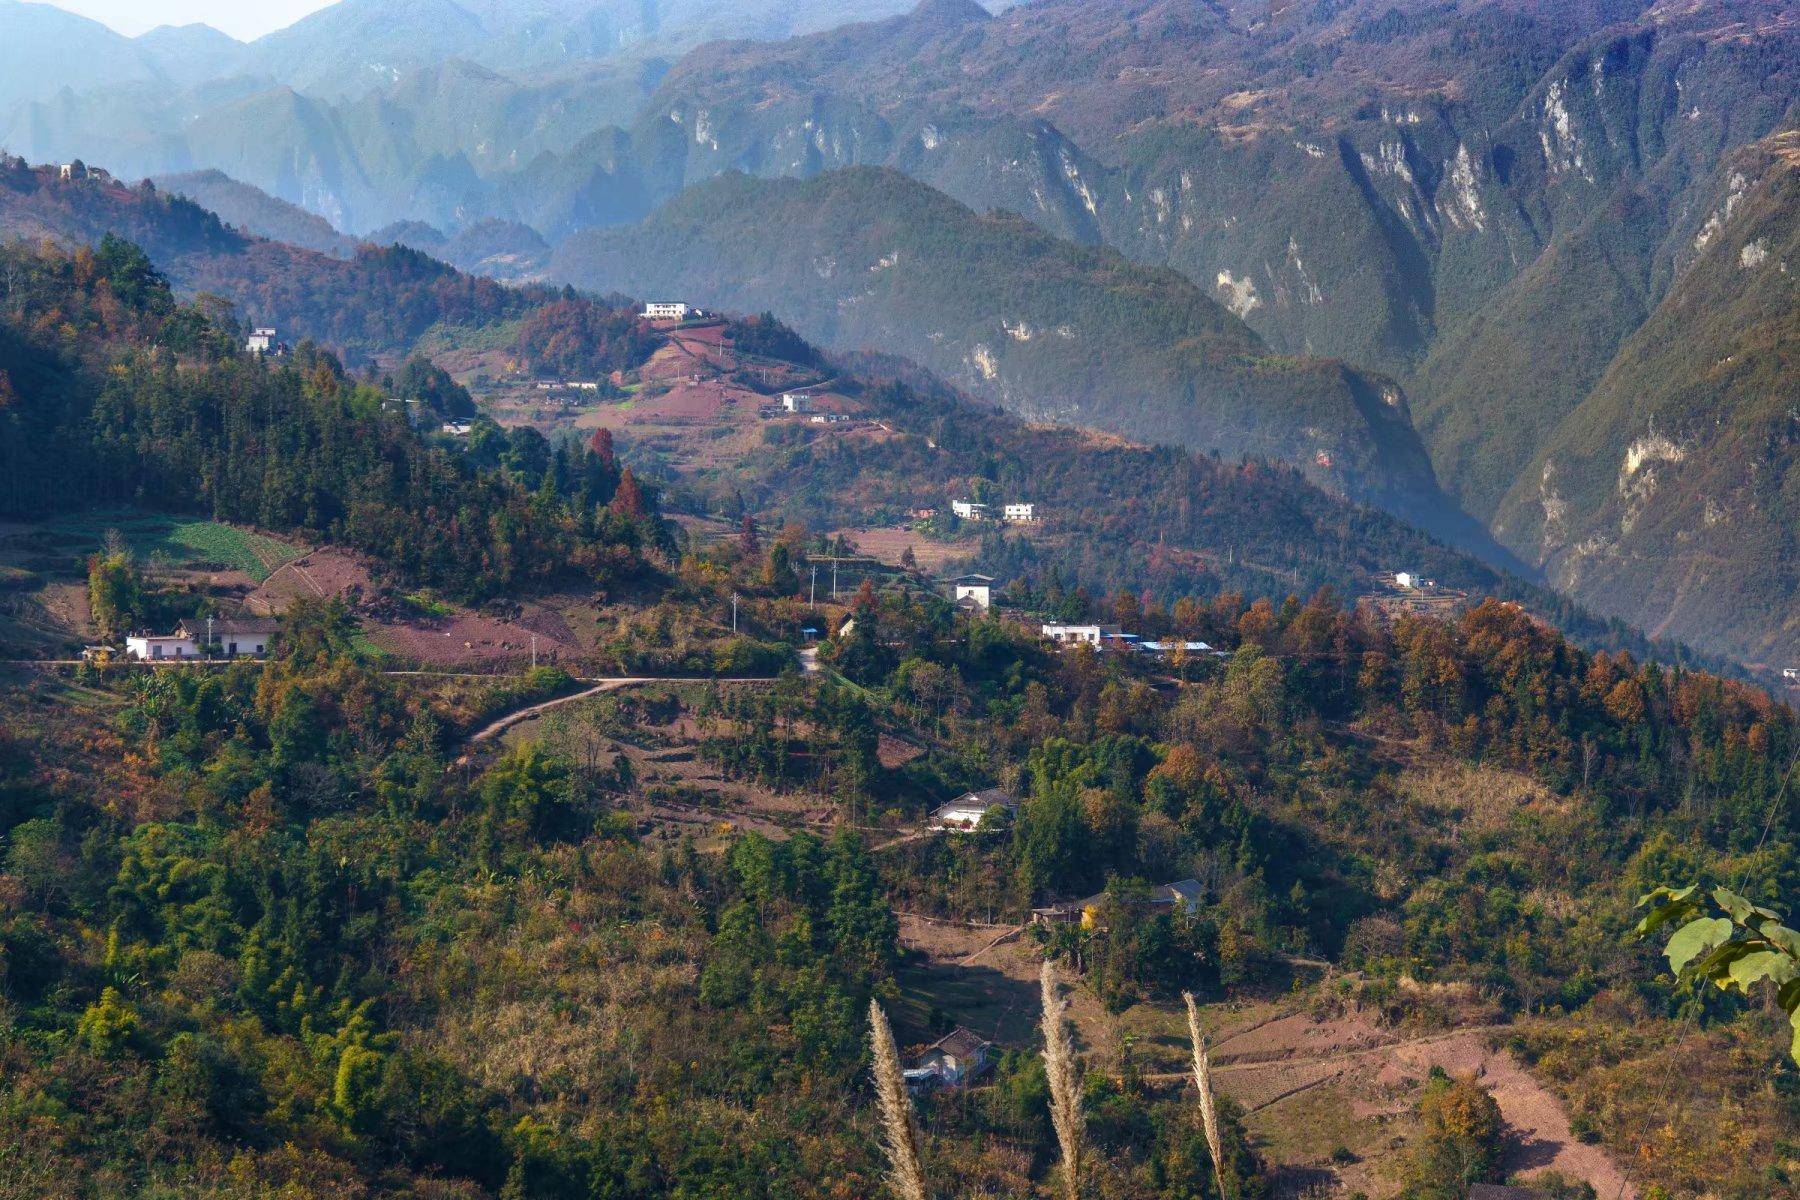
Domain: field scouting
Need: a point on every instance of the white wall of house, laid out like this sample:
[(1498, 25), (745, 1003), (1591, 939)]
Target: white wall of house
[(240, 645), (157, 649), (1083, 635), (957, 816), (980, 593)]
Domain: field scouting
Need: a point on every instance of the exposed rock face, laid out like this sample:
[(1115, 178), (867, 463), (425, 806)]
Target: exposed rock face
[(1668, 495)]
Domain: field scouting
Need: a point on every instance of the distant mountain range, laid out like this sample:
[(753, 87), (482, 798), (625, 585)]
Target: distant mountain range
[(1490, 203)]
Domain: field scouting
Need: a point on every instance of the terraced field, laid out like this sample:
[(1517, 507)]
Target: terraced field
[(174, 541)]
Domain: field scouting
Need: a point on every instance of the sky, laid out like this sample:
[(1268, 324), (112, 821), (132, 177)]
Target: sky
[(237, 17)]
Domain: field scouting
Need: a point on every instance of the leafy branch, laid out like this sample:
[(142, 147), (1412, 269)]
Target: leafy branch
[(1730, 942)]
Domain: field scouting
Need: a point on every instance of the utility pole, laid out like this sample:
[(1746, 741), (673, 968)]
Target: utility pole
[(834, 577), (534, 651), (734, 603), (812, 592)]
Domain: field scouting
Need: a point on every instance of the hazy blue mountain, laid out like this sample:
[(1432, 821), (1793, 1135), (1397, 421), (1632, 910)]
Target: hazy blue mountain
[(255, 211), (356, 45), (44, 50), (189, 55)]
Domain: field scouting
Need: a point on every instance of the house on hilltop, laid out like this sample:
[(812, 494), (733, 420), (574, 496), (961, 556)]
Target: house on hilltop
[(970, 809), (264, 341), (1082, 635), (666, 310), (209, 637), (955, 1060), (153, 647)]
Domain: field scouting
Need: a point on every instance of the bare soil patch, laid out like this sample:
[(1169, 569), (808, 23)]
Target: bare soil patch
[(889, 545)]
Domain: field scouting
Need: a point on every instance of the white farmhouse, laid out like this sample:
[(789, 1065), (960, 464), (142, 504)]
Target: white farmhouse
[(151, 647), (1020, 512), (976, 589), (970, 510), (263, 341), (796, 402), (955, 1060), (666, 310), (970, 809), (1081, 635)]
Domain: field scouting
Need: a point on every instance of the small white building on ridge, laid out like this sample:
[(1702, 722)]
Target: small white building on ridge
[(666, 310)]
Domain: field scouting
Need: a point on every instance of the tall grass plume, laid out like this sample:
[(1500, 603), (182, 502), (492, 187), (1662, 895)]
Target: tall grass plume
[(1209, 1112), (906, 1172), (1065, 1087)]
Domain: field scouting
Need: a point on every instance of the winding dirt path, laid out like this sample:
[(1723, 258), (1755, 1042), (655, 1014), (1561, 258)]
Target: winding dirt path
[(531, 712)]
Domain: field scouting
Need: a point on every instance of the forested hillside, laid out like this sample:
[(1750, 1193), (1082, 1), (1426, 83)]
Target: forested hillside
[(256, 212), (258, 936), (113, 392)]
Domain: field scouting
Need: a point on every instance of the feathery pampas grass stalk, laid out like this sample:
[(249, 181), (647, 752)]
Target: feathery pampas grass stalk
[(1209, 1113), (906, 1174), (1065, 1089)]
